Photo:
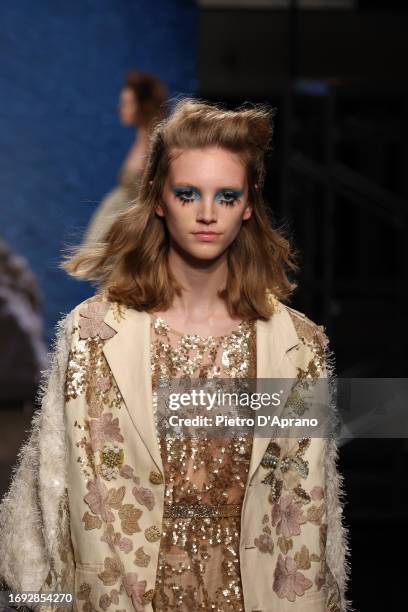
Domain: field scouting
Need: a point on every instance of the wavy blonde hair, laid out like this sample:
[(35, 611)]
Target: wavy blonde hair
[(130, 264)]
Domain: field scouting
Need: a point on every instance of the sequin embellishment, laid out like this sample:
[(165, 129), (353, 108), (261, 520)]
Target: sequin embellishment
[(205, 478)]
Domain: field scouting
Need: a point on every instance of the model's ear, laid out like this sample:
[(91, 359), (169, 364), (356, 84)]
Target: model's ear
[(248, 211), (160, 209)]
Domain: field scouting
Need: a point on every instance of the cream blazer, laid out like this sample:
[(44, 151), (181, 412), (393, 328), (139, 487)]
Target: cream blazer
[(83, 513)]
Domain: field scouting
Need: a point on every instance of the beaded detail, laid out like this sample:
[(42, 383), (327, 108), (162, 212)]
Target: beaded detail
[(201, 510), (205, 477)]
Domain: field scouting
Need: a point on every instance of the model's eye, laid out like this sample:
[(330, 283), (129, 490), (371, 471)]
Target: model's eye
[(229, 197), (185, 195)]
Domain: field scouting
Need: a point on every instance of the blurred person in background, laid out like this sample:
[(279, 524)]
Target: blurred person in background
[(141, 105), (23, 354)]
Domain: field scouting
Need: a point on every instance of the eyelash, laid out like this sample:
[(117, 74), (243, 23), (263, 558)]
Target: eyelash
[(184, 200)]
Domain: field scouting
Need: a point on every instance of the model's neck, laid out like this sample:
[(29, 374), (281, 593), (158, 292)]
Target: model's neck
[(141, 134), (201, 280)]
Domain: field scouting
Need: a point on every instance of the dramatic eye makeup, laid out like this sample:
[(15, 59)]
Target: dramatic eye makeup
[(228, 196), (188, 193)]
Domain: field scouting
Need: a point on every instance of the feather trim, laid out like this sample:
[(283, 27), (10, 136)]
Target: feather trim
[(337, 545), (52, 466)]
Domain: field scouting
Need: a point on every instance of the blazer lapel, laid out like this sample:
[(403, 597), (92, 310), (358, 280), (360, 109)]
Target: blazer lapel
[(274, 338), (128, 356)]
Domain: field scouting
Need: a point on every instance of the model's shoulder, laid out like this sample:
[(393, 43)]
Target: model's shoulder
[(308, 330)]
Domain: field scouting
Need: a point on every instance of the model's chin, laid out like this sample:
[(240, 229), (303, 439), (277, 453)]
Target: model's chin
[(200, 251), (204, 248), (205, 251)]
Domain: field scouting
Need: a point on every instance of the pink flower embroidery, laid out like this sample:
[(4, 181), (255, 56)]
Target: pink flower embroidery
[(265, 543), (100, 499), (135, 588), (289, 582), (115, 539), (288, 517), (104, 430), (105, 601), (91, 321), (126, 545), (128, 472), (144, 496), (317, 493)]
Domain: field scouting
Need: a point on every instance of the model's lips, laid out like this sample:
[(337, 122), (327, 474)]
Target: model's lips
[(206, 236)]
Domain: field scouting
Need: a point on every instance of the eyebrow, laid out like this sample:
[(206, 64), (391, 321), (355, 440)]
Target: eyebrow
[(188, 186)]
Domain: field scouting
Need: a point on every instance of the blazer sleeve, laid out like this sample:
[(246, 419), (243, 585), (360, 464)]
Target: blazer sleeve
[(316, 389), (35, 547)]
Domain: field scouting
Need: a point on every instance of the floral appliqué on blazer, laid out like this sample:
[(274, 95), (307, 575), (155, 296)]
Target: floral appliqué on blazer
[(84, 510)]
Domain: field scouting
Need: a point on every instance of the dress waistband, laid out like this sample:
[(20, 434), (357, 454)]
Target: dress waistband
[(185, 510)]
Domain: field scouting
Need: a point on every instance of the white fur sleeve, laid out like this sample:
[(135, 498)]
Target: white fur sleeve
[(32, 511), (337, 546)]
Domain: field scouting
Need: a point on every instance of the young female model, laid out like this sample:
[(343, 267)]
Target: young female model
[(141, 105), (192, 284)]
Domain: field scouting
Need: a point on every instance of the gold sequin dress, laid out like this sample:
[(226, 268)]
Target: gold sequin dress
[(205, 477)]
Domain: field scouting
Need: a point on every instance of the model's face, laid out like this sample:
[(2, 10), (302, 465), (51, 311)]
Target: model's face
[(127, 107), (204, 200)]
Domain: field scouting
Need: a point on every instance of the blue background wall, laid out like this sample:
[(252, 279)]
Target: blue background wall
[(61, 69)]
